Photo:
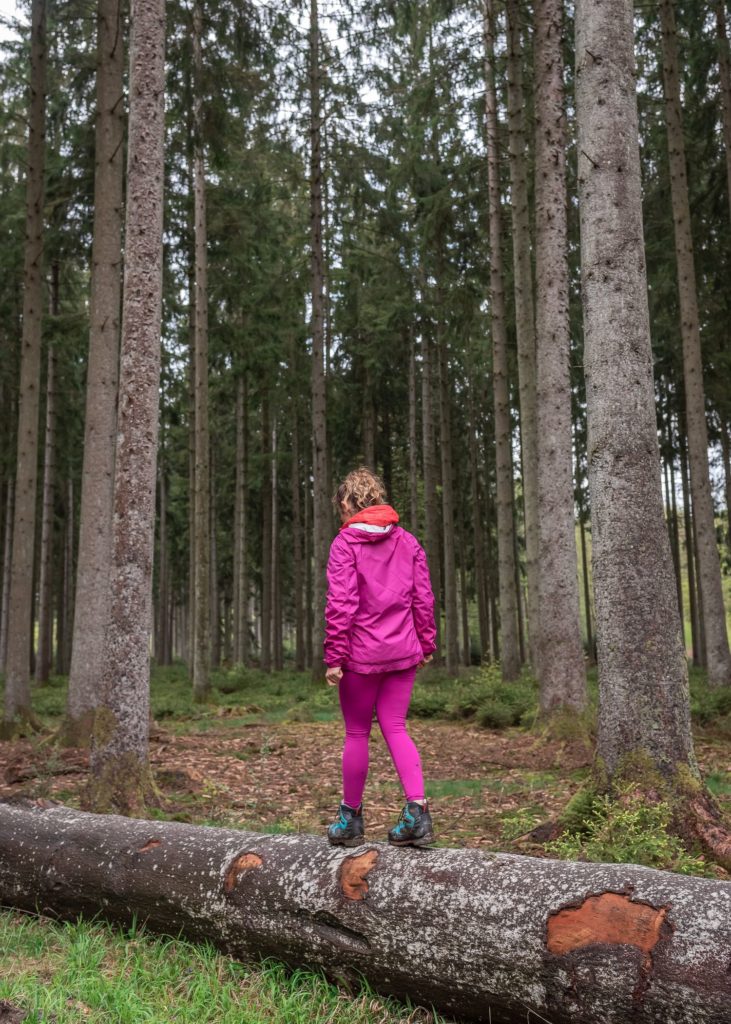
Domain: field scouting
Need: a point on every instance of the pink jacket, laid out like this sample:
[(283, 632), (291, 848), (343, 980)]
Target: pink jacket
[(380, 608)]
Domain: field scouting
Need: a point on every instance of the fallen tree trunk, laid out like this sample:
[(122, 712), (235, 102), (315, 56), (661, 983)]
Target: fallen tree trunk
[(492, 937)]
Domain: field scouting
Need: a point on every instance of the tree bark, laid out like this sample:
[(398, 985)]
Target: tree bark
[(162, 636), (483, 609), (695, 628), (451, 623), (709, 568), (97, 480), (524, 311), (560, 658), (413, 437), (509, 637), (214, 591), (431, 510), (507, 939), (297, 555), (265, 656), (7, 557), (45, 587), (321, 513), (20, 598), (120, 774), (724, 74), (202, 493), (277, 652), (241, 561), (644, 713), (726, 458)]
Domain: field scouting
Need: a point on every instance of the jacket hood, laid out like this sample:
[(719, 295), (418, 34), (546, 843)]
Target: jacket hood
[(353, 535)]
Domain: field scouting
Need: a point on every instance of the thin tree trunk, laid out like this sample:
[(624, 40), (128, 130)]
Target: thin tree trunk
[(296, 484), (644, 715), (321, 512), (699, 596), (483, 607), (120, 773), (524, 312), (20, 599), (448, 539), (431, 511), (369, 419), (97, 480), (715, 632), (726, 458), (675, 533), (202, 493), (587, 591), (45, 588), (277, 653), (724, 74), (163, 596), (266, 539), (241, 563), (7, 556), (308, 533), (66, 620), (695, 631), (510, 639), (215, 596), (466, 655), (413, 437)]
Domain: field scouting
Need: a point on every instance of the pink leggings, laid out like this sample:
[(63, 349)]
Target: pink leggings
[(389, 693)]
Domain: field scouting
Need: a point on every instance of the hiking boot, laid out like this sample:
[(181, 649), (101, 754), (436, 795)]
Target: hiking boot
[(414, 827), (348, 829)]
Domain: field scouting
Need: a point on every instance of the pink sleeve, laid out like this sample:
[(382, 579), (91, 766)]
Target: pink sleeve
[(422, 604), (342, 602)]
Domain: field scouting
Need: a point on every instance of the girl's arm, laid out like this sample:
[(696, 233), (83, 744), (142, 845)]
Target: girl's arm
[(422, 604), (342, 602)]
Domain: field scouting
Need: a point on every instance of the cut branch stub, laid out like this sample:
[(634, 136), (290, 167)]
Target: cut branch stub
[(353, 873), (244, 862)]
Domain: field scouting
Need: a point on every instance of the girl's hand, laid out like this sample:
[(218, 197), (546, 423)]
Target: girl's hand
[(333, 676), (425, 661)]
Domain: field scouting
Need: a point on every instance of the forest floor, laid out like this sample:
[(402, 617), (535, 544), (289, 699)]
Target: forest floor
[(264, 754)]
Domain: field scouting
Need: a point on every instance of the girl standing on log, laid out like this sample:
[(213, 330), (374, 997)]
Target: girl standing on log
[(379, 629)]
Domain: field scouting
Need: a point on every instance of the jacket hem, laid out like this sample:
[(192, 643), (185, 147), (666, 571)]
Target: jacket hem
[(371, 668)]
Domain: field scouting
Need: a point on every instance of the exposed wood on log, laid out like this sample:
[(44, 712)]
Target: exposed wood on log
[(493, 937)]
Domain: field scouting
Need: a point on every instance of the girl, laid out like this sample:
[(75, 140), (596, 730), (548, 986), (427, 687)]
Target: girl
[(379, 628)]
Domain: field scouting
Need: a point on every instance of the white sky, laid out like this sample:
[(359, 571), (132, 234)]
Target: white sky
[(7, 10)]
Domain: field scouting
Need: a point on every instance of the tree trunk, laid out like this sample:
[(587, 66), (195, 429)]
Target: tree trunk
[(66, 609), (483, 609), (560, 658), (587, 590), (321, 512), (20, 598), (162, 653), (709, 569), (724, 74), (451, 625), (466, 652), (431, 511), (7, 556), (510, 643), (97, 479), (644, 714), (214, 592), (45, 588), (726, 458), (265, 657), (241, 562), (695, 629), (277, 653), (507, 939), (413, 438), (297, 558), (308, 538), (202, 493), (120, 774), (524, 311)]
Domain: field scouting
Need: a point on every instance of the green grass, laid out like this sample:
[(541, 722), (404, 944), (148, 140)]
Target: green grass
[(106, 974)]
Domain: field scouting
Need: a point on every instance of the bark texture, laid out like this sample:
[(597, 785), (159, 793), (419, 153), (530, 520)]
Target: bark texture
[(506, 939), (45, 583), (709, 567), (560, 657), (118, 761), (643, 677), (509, 638), (97, 482), (321, 512), (20, 598), (202, 475), (525, 329)]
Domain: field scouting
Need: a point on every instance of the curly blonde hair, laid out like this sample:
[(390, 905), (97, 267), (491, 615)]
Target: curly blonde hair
[(360, 489)]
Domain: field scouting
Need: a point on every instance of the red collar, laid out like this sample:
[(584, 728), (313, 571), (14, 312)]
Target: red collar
[(376, 515)]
